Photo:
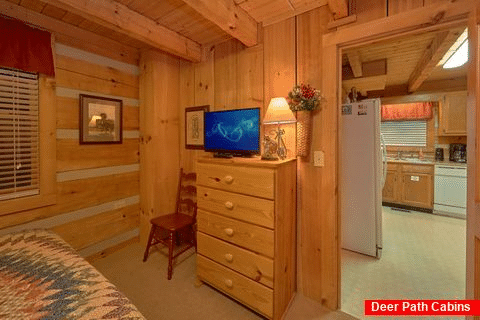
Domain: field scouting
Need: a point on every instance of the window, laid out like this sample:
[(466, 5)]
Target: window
[(19, 134), (404, 133)]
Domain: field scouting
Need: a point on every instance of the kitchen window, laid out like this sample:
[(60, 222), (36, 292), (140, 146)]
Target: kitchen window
[(404, 133), (19, 134)]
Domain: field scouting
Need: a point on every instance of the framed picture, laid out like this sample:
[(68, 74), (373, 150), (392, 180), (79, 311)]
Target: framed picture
[(194, 126), (100, 120)]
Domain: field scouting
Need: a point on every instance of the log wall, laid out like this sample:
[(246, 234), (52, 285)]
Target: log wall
[(97, 204)]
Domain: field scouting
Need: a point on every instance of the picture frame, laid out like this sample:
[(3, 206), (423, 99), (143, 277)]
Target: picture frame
[(194, 126), (100, 120)]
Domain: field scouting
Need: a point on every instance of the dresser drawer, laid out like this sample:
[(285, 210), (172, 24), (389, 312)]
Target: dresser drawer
[(247, 208), (246, 180), (254, 295), (248, 263), (243, 234)]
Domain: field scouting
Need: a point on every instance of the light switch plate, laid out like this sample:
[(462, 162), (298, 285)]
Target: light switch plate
[(318, 158)]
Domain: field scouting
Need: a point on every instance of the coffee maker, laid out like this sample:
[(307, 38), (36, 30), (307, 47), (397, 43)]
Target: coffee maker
[(458, 152)]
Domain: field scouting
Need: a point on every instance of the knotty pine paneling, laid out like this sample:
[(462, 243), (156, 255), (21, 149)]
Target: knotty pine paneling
[(88, 231), (160, 132), (80, 194), (71, 79), (279, 72), (73, 156), (225, 67), (310, 28), (96, 71)]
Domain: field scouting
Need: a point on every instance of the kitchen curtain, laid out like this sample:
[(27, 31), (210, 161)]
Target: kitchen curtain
[(25, 48), (408, 111)]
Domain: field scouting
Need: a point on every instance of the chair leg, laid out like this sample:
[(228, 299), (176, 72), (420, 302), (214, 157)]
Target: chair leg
[(171, 240), (150, 238)]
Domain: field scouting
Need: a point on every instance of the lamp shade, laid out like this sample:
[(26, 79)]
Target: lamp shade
[(278, 112)]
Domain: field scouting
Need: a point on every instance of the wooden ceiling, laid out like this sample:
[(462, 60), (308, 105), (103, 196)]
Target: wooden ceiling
[(180, 27), (403, 65)]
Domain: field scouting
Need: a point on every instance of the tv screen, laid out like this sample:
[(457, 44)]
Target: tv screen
[(235, 132)]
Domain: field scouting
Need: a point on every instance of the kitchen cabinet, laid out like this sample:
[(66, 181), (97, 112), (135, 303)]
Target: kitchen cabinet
[(453, 115), (390, 189), (409, 184)]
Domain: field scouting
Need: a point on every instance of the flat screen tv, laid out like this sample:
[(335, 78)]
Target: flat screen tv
[(233, 132)]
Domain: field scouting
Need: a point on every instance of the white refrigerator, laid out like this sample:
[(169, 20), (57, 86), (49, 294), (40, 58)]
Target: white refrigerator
[(362, 176)]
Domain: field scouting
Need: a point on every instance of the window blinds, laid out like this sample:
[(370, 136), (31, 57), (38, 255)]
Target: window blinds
[(19, 130), (404, 133)]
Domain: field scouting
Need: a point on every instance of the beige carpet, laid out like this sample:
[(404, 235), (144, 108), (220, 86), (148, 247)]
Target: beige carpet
[(423, 257), (157, 298)]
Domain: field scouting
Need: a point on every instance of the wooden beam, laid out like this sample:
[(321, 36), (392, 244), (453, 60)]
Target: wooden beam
[(343, 21), (355, 63), (339, 8), (229, 17), (71, 35), (120, 18), (430, 58)]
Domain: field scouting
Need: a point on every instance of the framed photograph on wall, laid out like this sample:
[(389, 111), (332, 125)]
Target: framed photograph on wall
[(194, 117), (100, 120)]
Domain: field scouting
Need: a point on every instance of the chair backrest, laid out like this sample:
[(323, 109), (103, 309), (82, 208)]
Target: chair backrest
[(187, 194)]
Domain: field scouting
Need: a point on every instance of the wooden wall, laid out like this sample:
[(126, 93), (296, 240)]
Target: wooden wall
[(159, 136), (97, 204)]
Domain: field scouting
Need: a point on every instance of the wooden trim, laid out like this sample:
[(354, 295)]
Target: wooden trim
[(415, 20), (116, 16), (343, 21), (71, 35), (339, 8), (435, 16), (110, 250), (230, 17)]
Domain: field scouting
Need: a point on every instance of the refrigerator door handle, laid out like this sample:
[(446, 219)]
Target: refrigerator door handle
[(384, 159)]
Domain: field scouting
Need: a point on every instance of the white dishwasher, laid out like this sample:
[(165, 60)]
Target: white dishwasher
[(450, 196)]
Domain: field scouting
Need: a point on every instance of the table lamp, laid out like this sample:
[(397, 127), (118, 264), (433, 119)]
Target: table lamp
[(278, 112)]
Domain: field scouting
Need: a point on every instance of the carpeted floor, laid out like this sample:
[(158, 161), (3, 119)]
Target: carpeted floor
[(423, 257), (157, 298)]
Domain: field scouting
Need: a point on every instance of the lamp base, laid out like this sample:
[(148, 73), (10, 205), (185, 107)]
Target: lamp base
[(269, 157)]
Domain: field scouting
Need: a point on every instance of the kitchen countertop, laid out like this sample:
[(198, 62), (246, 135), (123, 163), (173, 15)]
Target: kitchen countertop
[(416, 161)]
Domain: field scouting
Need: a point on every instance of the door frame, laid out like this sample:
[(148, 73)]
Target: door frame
[(430, 18)]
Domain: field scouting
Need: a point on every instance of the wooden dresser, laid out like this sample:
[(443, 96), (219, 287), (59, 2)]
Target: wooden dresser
[(247, 231)]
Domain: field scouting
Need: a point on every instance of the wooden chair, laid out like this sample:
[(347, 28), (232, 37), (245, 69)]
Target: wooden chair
[(166, 229)]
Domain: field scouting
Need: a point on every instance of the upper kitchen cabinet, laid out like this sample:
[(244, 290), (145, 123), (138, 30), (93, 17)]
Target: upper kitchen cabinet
[(453, 115)]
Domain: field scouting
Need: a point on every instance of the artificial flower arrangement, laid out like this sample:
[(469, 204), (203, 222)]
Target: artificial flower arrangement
[(304, 98)]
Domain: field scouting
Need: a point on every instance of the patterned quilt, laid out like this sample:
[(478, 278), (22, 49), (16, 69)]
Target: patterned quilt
[(42, 277)]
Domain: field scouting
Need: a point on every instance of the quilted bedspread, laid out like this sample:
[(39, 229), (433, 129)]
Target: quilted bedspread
[(42, 277)]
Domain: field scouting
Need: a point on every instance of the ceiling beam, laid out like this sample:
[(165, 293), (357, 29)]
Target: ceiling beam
[(339, 8), (229, 17), (355, 63), (120, 18), (431, 57)]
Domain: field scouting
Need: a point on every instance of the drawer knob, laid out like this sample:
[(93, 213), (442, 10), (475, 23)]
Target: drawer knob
[(229, 205), (229, 231), (229, 283), (229, 257), (228, 179)]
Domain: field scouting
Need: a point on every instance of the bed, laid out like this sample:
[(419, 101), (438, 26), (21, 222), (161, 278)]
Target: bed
[(43, 277)]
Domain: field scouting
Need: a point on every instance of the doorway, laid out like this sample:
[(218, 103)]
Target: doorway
[(420, 249)]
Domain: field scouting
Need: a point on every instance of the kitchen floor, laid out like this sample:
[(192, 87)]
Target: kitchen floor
[(423, 257)]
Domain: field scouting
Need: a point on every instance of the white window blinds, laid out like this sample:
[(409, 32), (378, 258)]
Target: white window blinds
[(404, 133), (19, 129)]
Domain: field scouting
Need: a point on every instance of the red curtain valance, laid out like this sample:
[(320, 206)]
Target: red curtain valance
[(25, 48), (408, 111)]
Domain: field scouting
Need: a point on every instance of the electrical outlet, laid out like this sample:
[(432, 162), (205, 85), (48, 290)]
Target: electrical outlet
[(318, 158)]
